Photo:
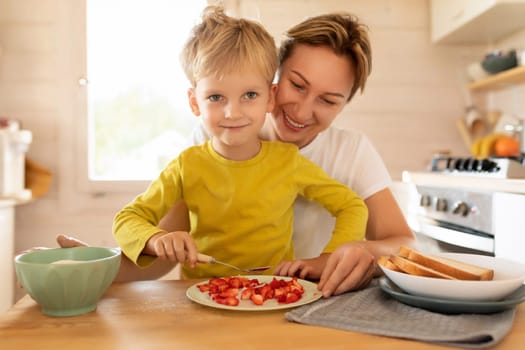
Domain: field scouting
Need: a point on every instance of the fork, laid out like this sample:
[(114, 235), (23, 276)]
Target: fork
[(211, 260)]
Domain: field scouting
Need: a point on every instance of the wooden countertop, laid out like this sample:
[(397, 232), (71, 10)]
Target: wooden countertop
[(157, 315)]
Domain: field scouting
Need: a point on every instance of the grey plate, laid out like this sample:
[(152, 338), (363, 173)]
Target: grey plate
[(447, 306)]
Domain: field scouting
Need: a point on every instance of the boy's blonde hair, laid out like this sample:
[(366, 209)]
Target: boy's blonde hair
[(221, 44), (343, 33)]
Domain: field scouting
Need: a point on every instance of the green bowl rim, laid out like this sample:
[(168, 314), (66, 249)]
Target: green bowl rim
[(117, 253)]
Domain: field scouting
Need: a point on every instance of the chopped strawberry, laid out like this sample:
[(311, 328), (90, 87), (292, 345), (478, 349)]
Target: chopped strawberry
[(266, 291), (275, 283), (253, 283), (296, 289), (231, 301), (291, 298), (257, 299), (245, 280), (230, 292), (204, 287), (281, 299), (247, 293), (223, 287), (218, 281), (296, 285), (235, 282)]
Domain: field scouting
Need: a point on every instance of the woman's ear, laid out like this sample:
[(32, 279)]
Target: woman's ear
[(192, 99), (271, 99)]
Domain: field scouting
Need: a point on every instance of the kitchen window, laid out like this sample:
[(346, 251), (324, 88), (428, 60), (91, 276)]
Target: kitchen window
[(136, 114)]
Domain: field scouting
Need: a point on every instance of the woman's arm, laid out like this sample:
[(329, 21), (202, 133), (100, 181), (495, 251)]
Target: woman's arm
[(352, 265), (387, 228)]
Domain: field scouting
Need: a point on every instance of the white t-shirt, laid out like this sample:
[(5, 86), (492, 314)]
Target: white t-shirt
[(346, 155)]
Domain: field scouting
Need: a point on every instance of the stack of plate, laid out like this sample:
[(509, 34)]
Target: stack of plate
[(505, 291)]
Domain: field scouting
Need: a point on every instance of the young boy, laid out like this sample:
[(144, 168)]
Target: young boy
[(239, 190)]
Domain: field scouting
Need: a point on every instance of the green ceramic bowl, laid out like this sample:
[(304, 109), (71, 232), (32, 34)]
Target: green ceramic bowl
[(67, 281)]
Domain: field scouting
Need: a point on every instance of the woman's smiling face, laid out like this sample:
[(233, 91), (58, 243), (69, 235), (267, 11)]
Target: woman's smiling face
[(314, 86)]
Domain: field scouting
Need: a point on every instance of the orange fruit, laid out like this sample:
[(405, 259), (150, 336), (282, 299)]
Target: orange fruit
[(506, 146)]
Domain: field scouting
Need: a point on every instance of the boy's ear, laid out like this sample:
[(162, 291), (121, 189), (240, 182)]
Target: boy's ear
[(271, 100), (192, 99)]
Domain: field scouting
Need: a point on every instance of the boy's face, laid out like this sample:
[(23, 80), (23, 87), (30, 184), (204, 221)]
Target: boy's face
[(233, 109)]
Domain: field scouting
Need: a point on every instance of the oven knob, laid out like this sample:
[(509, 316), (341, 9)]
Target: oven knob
[(461, 208), (425, 200), (489, 166), (441, 204)]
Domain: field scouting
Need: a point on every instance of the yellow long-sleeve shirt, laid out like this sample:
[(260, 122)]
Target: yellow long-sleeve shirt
[(240, 212)]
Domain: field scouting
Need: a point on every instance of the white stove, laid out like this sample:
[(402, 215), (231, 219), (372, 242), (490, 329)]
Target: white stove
[(456, 206)]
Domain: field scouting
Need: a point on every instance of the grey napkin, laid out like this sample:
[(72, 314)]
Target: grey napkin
[(372, 311)]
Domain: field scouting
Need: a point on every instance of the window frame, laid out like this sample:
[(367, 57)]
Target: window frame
[(79, 81)]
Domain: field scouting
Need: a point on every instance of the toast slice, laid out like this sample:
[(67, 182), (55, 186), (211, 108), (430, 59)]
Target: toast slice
[(456, 269), (385, 262), (413, 268)]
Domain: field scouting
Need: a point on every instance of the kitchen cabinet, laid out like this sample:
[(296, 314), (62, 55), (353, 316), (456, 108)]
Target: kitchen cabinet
[(475, 21), (7, 240)]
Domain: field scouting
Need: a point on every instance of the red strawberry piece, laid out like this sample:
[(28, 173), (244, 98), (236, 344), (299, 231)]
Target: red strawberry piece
[(257, 299), (230, 292), (247, 293), (253, 283), (291, 298), (281, 298), (235, 282), (204, 287), (231, 301), (275, 283), (218, 281)]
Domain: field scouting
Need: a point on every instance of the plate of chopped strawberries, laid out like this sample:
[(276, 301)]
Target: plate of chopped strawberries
[(254, 293)]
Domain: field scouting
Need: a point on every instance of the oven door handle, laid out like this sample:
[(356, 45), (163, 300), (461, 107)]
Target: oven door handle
[(458, 238)]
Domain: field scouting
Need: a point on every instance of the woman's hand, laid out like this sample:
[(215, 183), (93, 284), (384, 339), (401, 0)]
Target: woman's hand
[(69, 242), (351, 266)]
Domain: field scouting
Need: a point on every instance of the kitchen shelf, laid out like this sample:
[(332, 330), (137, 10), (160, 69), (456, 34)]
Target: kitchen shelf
[(499, 81)]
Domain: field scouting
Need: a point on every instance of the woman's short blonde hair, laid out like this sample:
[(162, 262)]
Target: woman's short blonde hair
[(221, 44), (343, 33)]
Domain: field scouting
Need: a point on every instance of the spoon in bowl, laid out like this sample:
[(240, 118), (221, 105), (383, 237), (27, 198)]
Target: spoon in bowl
[(211, 260)]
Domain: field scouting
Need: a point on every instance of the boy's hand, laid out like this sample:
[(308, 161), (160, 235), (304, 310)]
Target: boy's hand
[(177, 246), (303, 268)]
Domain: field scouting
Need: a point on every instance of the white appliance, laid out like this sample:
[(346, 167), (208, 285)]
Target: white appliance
[(13, 147), (455, 216)]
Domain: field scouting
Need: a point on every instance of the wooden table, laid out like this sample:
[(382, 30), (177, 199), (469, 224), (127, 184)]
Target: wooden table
[(157, 315)]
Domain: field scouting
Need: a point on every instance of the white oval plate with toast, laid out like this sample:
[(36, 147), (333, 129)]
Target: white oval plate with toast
[(508, 277)]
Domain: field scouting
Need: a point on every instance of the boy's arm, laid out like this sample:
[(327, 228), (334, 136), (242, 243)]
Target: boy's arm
[(138, 221), (128, 271), (349, 210)]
